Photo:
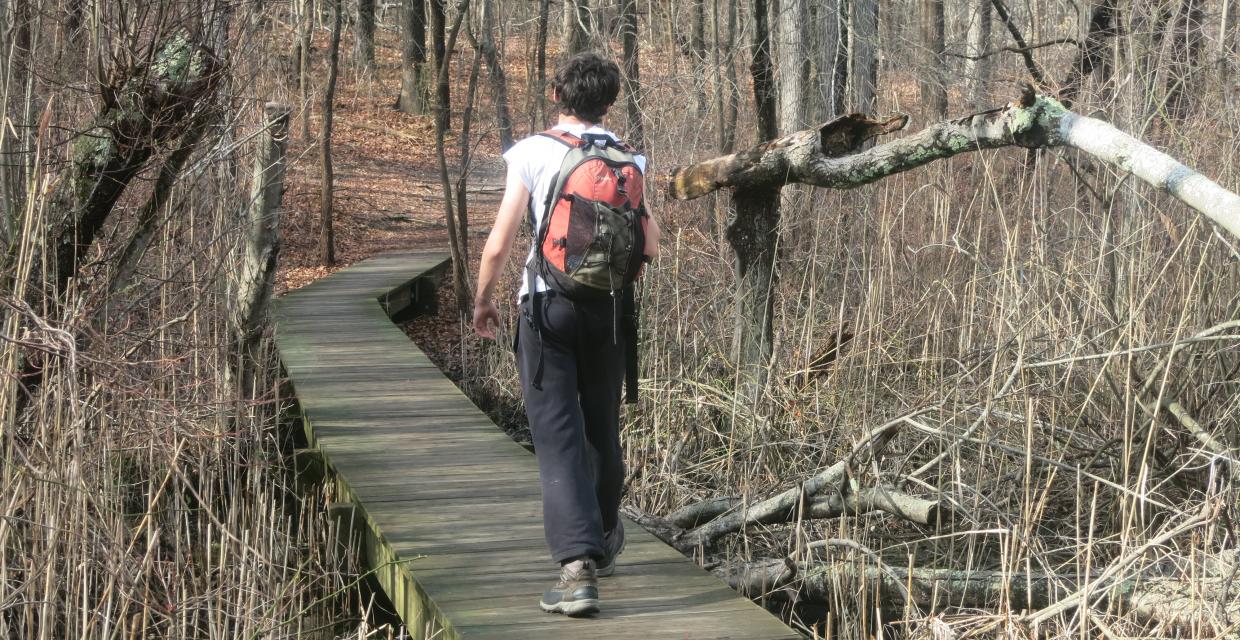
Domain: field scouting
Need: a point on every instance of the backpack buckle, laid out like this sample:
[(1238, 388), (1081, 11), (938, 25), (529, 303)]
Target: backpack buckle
[(597, 139)]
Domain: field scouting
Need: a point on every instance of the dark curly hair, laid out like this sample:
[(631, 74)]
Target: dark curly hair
[(587, 84)]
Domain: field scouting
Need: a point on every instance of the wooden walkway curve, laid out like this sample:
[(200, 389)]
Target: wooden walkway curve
[(448, 505)]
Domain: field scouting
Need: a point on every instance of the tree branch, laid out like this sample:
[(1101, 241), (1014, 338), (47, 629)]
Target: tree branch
[(776, 163), (1021, 50), (1034, 121), (1022, 47)]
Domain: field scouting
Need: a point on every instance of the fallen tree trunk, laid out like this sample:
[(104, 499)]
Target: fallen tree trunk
[(832, 505), (1035, 121), (830, 493), (1202, 604), (778, 162)]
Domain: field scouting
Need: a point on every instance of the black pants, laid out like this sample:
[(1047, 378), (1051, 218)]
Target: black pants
[(574, 418)]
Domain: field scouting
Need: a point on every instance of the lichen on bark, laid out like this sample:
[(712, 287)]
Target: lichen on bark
[(142, 111)]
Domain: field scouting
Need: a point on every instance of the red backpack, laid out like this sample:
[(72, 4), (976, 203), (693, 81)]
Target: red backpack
[(592, 239)]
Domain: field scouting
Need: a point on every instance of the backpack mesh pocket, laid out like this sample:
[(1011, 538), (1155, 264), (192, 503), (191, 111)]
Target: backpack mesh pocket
[(582, 224)]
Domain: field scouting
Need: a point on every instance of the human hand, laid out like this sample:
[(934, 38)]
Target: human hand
[(486, 318)]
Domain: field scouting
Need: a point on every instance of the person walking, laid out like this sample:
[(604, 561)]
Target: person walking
[(581, 188)]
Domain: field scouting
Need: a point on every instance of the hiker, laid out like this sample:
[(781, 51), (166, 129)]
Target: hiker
[(576, 335)]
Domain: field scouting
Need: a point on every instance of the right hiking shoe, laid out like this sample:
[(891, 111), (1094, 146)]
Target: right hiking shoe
[(613, 544), (576, 594)]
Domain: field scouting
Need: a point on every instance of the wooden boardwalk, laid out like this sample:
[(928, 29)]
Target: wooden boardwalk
[(448, 505)]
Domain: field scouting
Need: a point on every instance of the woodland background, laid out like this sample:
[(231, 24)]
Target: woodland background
[(1013, 373)]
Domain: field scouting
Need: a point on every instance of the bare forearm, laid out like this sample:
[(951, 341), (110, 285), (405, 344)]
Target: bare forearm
[(652, 238), (493, 260)]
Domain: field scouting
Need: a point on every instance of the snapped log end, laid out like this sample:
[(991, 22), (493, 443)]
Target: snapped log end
[(687, 183), (275, 110)]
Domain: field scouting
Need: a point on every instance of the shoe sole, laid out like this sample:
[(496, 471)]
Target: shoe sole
[(572, 609)]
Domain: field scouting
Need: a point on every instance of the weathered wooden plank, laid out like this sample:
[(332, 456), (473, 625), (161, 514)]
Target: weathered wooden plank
[(450, 507)]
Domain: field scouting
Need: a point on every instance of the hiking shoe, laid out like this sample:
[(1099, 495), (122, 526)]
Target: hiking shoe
[(576, 594), (613, 544)]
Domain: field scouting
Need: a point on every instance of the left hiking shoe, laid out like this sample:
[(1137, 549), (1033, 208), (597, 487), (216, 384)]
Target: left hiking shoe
[(576, 594)]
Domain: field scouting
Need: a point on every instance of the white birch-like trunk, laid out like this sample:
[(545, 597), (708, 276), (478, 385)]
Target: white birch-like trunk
[(1154, 167)]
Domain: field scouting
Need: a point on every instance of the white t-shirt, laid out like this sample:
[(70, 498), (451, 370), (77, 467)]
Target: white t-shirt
[(536, 160)]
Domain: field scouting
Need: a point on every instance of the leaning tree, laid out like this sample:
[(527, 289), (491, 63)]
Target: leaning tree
[(830, 156)]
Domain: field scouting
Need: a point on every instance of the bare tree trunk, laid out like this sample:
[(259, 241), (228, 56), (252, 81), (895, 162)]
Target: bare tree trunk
[(763, 75), (791, 24), (262, 243), (863, 54), (1202, 606), (731, 111), (1034, 122), (632, 74), (931, 80), (719, 90), (1229, 37), (499, 83), (1229, 53), (805, 156), (977, 66), (1187, 38), (1093, 52), (827, 76), (462, 179), (120, 141), (304, 32), (697, 54), (148, 216), (457, 236), (539, 91), (364, 47), (752, 233), (443, 92), (413, 71), (577, 27), (327, 241)]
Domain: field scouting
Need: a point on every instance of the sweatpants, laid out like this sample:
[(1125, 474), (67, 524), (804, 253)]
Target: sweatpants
[(574, 418)]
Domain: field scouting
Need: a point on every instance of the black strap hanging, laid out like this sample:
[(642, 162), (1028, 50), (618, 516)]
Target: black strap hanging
[(630, 327)]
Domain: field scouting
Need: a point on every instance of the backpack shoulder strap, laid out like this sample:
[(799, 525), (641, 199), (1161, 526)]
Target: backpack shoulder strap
[(563, 137)]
